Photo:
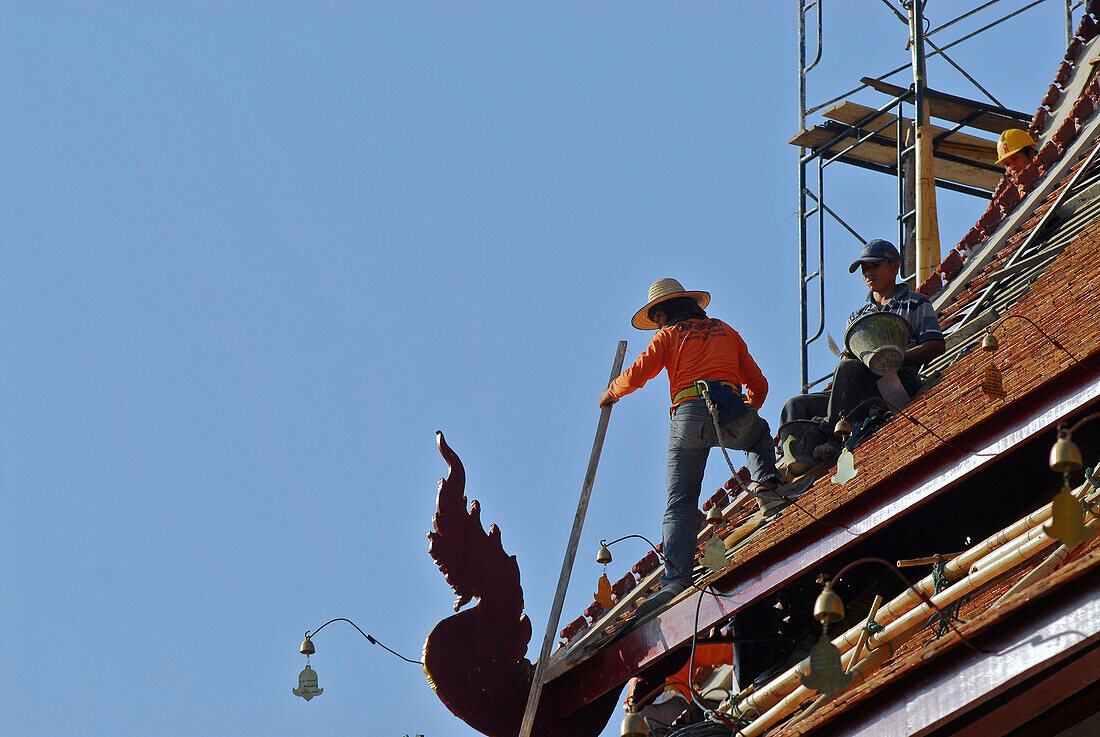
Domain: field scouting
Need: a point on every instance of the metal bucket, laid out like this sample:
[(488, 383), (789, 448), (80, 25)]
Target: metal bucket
[(879, 339), (798, 439)]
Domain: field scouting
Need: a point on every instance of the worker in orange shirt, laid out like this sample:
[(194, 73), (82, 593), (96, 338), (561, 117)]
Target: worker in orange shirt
[(691, 347)]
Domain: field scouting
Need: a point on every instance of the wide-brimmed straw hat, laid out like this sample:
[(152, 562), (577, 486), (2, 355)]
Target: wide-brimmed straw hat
[(661, 290)]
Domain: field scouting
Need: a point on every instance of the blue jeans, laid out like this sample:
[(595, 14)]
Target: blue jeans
[(690, 437)]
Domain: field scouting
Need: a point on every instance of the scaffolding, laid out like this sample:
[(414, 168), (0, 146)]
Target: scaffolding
[(882, 139)]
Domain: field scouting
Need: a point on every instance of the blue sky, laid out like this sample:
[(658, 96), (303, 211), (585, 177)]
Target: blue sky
[(255, 254)]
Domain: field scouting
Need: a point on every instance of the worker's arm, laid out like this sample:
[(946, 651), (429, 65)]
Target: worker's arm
[(645, 367), (924, 352)]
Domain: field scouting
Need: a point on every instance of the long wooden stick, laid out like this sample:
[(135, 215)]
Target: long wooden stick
[(570, 554)]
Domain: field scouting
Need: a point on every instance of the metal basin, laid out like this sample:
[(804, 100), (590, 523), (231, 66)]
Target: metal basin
[(879, 339)]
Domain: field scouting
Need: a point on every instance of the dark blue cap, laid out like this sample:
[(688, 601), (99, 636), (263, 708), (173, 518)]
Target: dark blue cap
[(876, 250)]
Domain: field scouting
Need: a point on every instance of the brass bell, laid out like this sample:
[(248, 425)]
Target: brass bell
[(307, 647), (1067, 520), (843, 429), (1065, 456), (603, 557), (825, 672), (989, 342), (828, 608), (634, 725), (714, 516)]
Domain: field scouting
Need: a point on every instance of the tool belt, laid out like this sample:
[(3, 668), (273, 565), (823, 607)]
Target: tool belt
[(692, 392), (725, 395)]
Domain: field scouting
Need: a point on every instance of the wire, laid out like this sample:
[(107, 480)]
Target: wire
[(920, 424), (939, 51), (364, 634), (894, 569), (1042, 332), (1080, 422)]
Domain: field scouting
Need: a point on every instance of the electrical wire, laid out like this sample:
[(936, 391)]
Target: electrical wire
[(364, 634), (903, 67), (894, 569)]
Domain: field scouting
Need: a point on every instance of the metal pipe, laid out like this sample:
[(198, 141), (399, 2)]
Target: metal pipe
[(1069, 21), (820, 251), (803, 351)]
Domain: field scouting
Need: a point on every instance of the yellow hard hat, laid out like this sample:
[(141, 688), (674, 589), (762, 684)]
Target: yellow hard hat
[(1011, 141)]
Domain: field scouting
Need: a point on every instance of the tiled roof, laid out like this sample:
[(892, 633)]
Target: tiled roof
[(1033, 254)]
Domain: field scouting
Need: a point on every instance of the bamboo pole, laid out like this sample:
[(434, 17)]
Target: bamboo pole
[(1004, 543), (995, 557), (893, 635), (865, 632), (570, 554), (1052, 563)]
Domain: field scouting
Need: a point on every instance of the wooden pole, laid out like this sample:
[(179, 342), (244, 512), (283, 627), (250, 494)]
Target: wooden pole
[(570, 554), (928, 230)]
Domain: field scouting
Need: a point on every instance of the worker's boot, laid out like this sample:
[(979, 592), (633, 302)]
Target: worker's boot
[(656, 601), (773, 498)]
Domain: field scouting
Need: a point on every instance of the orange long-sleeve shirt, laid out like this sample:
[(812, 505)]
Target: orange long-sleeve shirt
[(692, 350)]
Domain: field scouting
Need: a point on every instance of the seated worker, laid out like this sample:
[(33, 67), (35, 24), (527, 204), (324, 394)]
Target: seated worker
[(853, 382), (692, 347), (1015, 151)]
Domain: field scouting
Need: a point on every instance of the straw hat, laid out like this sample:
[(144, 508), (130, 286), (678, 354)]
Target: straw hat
[(661, 290)]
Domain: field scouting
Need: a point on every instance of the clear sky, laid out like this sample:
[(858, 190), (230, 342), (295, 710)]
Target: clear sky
[(255, 254)]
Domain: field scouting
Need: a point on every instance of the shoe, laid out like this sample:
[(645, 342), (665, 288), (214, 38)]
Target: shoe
[(656, 601), (773, 499)]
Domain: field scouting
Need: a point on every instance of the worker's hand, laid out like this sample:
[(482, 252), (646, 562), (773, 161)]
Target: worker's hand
[(606, 400)]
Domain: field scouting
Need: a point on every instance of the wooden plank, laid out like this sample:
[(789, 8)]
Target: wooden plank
[(883, 151), (958, 109), (957, 144)]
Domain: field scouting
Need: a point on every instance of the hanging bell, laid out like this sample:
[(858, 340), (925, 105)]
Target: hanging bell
[(307, 647), (828, 609), (714, 516), (826, 673), (603, 556), (989, 342), (1067, 520), (1065, 456), (307, 684), (634, 725), (843, 429)]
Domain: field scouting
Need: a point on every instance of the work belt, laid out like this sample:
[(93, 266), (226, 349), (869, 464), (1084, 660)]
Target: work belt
[(692, 392)]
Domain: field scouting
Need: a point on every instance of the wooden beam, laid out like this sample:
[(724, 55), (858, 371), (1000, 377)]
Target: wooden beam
[(958, 109), (957, 144), (882, 150)]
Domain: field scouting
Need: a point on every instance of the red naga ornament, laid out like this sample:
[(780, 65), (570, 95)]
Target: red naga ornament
[(476, 660)]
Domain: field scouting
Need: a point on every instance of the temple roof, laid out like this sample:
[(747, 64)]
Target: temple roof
[(1029, 271)]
